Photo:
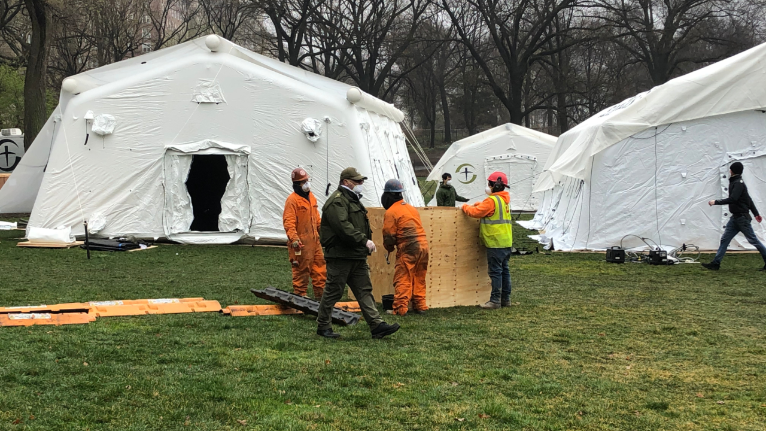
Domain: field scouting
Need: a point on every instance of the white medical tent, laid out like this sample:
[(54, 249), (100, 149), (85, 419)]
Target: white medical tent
[(649, 165), (204, 133), (517, 151)]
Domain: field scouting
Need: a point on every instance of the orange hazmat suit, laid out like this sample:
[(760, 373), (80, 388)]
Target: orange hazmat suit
[(301, 221), (402, 228)]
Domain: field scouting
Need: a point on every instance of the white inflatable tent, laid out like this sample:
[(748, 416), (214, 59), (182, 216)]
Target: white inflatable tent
[(128, 140), (517, 151), (649, 165)]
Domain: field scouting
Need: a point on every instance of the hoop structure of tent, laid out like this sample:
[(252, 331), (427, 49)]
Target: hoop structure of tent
[(517, 151), (196, 142), (648, 165)]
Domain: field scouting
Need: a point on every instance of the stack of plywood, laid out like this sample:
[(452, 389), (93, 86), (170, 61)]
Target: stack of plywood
[(3, 179), (457, 259)]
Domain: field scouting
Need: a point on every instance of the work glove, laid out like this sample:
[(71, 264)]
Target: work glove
[(371, 246), (758, 219), (297, 245)]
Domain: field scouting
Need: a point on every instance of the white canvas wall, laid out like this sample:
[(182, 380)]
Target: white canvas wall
[(678, 168)]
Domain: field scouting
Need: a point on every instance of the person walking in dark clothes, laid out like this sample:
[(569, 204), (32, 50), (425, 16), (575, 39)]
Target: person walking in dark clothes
[(446, 194), (740, 204), (346, 236)]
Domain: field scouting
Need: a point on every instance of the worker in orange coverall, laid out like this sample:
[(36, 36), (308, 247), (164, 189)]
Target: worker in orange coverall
[(402, 228), (301, 220)]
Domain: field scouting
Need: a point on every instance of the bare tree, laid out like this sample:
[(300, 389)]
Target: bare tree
[(662, 34), (519, 32), (226, 17), (174, 21), (372, 36)]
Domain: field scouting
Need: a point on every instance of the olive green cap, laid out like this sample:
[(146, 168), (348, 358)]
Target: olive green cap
[(351, 174)]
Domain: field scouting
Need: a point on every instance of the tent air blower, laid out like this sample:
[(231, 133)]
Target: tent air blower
[(658, 257), (615, 254)]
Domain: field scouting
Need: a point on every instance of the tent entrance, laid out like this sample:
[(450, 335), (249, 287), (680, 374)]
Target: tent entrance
[(207, 198), (206, 184), (520, 170)]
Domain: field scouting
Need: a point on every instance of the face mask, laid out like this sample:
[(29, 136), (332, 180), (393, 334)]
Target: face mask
[(449, 182), (488, 190), (306, 187), (358, 189)]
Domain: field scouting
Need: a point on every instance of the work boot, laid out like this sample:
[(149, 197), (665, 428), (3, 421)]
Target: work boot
[(505, 303), (490, 305), (711, 266), (419, 312), (328, 333), (383, 329)]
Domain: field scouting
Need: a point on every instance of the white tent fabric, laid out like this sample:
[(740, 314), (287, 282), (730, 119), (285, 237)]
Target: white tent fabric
[(517, 151), (197, 99), (656, 182)]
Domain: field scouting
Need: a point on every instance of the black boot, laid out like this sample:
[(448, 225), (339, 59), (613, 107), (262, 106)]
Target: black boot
[(328, 333), (711, 266), (383, 329)]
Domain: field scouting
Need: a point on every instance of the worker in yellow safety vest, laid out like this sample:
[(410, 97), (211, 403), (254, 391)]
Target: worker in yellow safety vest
[(495, 231)]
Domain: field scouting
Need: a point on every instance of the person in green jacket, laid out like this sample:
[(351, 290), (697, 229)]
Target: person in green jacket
[(446, 194), (345, 236)]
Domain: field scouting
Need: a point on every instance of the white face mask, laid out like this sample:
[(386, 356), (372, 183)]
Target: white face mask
[(306, 187), (488, 190), (358, 189), (449, 182)]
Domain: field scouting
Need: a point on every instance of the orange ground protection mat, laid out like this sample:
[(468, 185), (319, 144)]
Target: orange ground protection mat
[(89, 306), (30, 319), (156, 306), (272, 310)]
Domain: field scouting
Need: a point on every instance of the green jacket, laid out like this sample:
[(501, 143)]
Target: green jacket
[(446, 196), (345, 229)]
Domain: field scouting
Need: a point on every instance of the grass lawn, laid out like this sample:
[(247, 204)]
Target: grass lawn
[(589, 346)]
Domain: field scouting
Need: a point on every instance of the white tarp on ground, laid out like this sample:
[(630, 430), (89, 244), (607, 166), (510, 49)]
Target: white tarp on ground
[(655, 182), (250, 110), (517, 151)]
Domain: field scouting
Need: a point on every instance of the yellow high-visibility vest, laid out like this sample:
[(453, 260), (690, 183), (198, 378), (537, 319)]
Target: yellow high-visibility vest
[(496, 229)]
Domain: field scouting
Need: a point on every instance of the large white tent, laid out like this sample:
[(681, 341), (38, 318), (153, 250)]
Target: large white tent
[(128, 140), (648, 165), (517, 151)]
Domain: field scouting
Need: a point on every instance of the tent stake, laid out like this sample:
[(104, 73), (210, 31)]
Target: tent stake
[(87, 244)]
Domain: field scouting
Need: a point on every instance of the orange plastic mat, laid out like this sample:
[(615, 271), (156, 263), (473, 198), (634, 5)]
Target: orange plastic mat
[(31, 319), (91, 306), (156, 306)]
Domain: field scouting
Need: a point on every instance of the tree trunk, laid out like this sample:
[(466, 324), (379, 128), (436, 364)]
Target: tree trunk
[(562, 111), (445, 114), (34, 80)]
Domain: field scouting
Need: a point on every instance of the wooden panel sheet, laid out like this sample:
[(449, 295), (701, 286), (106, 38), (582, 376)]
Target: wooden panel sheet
[(457, 259)]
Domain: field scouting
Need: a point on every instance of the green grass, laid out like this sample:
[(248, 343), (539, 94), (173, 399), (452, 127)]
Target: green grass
[(590, 346)]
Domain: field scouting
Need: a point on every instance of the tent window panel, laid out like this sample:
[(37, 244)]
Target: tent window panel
[(206, 184)]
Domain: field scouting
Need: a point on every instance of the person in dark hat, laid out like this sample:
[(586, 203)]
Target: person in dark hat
[(740, 204), (346, 237)]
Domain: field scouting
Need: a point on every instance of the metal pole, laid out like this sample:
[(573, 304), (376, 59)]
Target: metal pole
[(87, 245)]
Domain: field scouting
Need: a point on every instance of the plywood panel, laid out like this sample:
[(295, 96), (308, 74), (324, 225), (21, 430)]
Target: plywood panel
[(457, 259)]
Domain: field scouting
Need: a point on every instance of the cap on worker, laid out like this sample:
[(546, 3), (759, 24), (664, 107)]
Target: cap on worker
[(736, 168), (299, 174), (351, 174), (394, 186), (497, 175)]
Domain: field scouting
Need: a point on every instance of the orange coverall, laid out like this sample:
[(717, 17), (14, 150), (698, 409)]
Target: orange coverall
[(301, 220), (486, 208), (402, 227)]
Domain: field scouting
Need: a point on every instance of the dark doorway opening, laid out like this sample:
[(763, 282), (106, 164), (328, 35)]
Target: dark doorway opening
[(206, 185)]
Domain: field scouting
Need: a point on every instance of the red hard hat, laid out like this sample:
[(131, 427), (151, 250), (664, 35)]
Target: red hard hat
[(496, 175), (299, 174)]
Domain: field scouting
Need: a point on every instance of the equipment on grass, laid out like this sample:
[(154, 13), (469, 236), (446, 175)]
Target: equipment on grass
[(658, 257), (306, 305), (615, 254), (108, 245)]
